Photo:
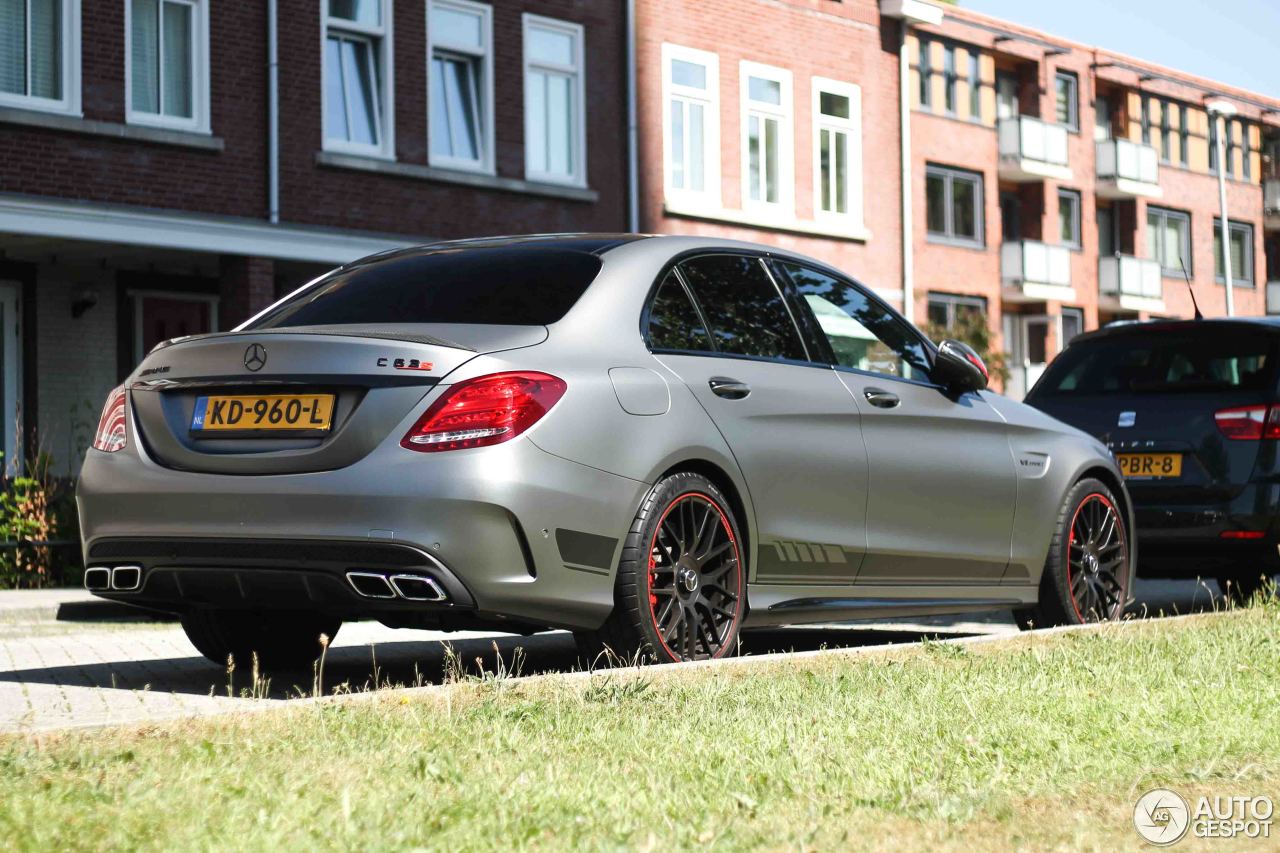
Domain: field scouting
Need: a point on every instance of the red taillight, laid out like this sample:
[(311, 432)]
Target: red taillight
[(1242, 534), (111, 435), (1249, 423), (484, 411)]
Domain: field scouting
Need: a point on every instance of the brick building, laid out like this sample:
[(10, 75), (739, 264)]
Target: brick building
[(1050, 185), (155, 181), (144, 193)]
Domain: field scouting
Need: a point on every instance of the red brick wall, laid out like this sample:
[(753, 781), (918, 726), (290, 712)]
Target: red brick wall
[(233, 182)]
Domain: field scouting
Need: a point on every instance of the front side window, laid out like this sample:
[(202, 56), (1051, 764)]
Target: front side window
[(1069, 218), (554, 113), (460, 88), (692, 121), (357, 43), (37, 57), (863, 334), (743, 307), (674, 324), (1169, 239), (838, 139), (766, 127), (1241, 252), (168, 71), (953, 205), (1068, 104)]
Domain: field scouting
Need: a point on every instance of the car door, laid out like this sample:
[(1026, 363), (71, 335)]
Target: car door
[(941, 478), (720, 322)]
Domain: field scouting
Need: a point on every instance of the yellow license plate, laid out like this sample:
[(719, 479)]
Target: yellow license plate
[(297, 413), (1150, 466)]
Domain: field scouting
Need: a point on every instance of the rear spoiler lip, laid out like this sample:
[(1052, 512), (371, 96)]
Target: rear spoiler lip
[(361, 380), (391, 334)]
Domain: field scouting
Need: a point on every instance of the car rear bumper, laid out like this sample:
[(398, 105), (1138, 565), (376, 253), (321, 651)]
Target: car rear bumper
[(508, 532), (1200, 540)]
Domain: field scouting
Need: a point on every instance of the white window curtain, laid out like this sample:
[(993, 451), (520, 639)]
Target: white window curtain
[(31, 48)]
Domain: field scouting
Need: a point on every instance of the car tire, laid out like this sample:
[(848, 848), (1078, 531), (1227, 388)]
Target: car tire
[(680, 591), (1241, 585), (282, 640), (1084, 581)]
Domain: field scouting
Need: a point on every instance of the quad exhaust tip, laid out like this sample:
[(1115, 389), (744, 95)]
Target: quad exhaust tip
[(117, 579), (408, 587)]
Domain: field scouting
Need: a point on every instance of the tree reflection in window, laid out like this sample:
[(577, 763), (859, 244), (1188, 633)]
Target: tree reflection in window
[(743, 308)]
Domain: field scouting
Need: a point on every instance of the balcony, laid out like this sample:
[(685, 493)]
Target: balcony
[(1127, 169), (1032, 150), (1130, 284), (1035, 272)]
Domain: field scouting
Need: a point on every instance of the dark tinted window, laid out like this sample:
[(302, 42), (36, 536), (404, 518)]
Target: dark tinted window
[(673, 321), (509, 285), (1163, 362), (862, 333), (745, 311)]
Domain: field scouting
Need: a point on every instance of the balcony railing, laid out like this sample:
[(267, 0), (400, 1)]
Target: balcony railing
[(1127, 169), (1031, 149), (1131, 284), (1036, 270)]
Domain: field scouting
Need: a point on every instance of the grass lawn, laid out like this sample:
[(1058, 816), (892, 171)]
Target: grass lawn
[(1036, 741)]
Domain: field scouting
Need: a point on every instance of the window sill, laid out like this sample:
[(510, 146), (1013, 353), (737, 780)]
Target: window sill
[(110, 129), (714, 213), (457, 177), (951, 243)]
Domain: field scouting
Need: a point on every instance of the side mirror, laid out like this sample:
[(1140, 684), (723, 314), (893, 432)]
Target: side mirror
[(958, 368)]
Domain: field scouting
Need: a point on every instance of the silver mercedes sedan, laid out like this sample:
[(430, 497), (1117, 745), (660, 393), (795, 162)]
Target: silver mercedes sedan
[(654, 442)]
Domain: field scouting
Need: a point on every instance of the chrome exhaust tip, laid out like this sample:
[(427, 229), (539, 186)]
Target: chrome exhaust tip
[(370, 585), (97, 578), (417, 588), (126, 578)]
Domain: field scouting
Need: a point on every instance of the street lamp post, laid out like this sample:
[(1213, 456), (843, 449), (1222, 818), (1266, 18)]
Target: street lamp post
[(1220, 111)]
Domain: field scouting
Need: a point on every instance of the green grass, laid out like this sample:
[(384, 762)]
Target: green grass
[(1039, 741)]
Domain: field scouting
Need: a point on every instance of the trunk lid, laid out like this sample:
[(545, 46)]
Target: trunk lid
[(376, 375)]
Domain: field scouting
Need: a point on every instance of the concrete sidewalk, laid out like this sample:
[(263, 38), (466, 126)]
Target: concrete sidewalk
[(76, 605)]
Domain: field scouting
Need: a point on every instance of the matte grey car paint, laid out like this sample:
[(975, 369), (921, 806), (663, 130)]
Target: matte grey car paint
[(938, 505)]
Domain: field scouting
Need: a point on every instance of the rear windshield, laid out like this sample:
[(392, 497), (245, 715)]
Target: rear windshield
[(1160, 364), (507, 285)]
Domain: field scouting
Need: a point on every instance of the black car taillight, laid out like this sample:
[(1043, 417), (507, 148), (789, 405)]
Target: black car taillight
[(1249, 423)]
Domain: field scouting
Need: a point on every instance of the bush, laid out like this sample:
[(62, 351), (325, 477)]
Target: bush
[(971, 327), (36, 507)]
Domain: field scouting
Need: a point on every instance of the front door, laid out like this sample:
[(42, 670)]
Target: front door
[(941, 481), (787, 421), (11, 376), (1027, 336), (161, 316)]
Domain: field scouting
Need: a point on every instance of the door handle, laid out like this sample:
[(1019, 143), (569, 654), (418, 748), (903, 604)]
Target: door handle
[(881, 398), (730, 389)]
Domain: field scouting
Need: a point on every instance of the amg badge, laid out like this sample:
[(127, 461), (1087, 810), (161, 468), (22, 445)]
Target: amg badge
[(405, 363)]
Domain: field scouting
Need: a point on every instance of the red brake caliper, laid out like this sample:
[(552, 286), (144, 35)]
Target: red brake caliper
[(653, 579)]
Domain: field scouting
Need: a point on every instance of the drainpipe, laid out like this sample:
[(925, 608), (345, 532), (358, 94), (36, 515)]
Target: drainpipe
[(1220, 111), (273, 115), (908, 229), (633, 154)]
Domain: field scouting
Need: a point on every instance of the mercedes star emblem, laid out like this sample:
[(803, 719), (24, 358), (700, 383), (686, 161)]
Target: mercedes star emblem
[(255, 357)]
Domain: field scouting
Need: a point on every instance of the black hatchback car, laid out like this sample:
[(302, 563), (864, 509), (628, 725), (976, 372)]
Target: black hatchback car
[(1191, 411)]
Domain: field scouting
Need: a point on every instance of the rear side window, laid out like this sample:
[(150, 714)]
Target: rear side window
[(507, 285), (1162, 363), (674, 323), (743, 307)]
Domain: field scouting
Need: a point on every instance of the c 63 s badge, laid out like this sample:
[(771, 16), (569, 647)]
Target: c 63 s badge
[(406, 364)]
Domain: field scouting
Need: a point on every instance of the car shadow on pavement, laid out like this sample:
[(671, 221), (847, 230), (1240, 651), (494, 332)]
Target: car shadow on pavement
[(359, 668)]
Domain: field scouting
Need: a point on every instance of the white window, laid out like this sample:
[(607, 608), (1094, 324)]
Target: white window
[(168, 67), (40, 54), (691, 123), (357, 77), (460, 84), (766, 137), (555, 133), (837, 156)]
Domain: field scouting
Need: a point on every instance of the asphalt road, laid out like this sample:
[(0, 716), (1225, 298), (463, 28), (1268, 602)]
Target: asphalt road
[(59, 674)]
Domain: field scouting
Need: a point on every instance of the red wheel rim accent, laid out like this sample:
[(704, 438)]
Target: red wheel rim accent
[(1097, 559), (694, 579)]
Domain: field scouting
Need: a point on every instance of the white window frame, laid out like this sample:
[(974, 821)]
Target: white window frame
[(69, 103), (579, 72), (852, 128), (386, 147), (710, 100), (199, 121), (485, 164), (785, 114)]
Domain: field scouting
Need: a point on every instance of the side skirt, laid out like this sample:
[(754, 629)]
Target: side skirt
[(772, 605)]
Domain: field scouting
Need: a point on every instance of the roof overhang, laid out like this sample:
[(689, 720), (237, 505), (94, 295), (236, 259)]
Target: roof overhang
[(912, 11)]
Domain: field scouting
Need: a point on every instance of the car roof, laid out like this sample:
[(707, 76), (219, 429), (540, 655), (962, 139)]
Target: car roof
[(1135, 328)]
